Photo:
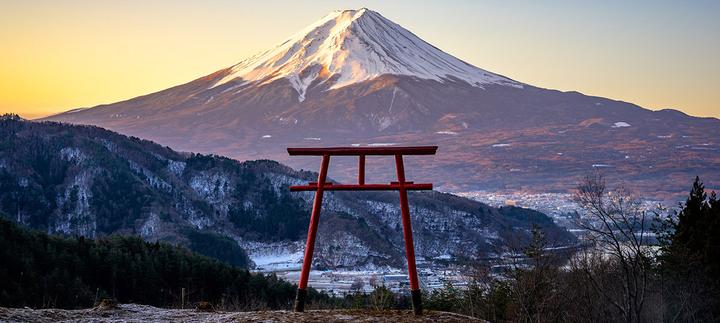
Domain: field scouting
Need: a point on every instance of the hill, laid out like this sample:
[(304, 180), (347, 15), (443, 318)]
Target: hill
[(84, 180), (41, 271)]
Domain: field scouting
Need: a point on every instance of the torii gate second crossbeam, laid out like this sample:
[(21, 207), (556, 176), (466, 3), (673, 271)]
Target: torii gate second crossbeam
[(321, 186)]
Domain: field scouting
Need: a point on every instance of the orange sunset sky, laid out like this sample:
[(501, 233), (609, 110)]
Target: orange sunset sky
[(60, 55)]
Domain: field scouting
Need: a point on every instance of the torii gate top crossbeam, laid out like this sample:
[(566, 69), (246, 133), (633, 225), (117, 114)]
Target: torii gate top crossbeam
[(360, 151)]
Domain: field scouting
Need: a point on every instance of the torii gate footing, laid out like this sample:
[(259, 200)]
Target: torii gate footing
[(321, 186)]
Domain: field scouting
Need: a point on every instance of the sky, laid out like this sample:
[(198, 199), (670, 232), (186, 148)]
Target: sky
[(61, 55)]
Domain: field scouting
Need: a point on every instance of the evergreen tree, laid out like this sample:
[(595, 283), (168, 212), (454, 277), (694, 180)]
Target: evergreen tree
[(38, 270), (693, 239), (690, 257)]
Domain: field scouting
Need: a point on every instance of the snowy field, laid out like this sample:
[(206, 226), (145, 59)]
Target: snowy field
[(554, 205), (287, 264)]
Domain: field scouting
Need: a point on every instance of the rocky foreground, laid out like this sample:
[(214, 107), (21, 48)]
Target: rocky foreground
[(144, 313)]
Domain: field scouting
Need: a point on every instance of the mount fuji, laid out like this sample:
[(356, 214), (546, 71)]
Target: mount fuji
[(353, 46), (356, 78)]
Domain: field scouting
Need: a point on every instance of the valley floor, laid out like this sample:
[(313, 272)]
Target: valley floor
[(144, 313)]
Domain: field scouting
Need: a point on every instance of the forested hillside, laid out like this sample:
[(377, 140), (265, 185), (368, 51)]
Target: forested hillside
[(40, 270), (84, 180)]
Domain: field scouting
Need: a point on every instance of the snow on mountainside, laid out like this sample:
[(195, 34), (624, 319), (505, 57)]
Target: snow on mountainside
[(355, 46)]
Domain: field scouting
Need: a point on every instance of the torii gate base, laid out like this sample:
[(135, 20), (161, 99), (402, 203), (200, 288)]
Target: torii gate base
[(321, 186)]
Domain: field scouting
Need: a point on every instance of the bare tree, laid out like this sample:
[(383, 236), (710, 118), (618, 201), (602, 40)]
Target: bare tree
[(381, 298), (535, 283), (617, 262), (357, 286)]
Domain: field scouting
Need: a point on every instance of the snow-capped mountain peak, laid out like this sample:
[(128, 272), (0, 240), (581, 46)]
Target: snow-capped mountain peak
[(352, 46)]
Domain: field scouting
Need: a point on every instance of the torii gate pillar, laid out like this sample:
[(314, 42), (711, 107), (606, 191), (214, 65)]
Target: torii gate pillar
[(321, 186)]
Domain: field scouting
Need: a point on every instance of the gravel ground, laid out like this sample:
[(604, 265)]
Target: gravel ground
[(144, 313)]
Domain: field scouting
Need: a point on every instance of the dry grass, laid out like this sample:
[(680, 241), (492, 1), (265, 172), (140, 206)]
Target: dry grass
[(144, 313)]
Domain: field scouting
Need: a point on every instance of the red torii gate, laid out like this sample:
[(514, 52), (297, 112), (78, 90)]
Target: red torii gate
[(321, 186)]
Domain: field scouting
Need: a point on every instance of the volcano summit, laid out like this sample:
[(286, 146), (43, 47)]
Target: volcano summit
[(353, 46)]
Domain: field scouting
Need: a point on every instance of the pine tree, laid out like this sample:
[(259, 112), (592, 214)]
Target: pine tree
[(690, 258), (694, 235), (689, 232)]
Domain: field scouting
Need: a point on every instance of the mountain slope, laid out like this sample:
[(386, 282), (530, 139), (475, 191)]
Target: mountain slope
[(352, 46), (93, 182), (355, 77)]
